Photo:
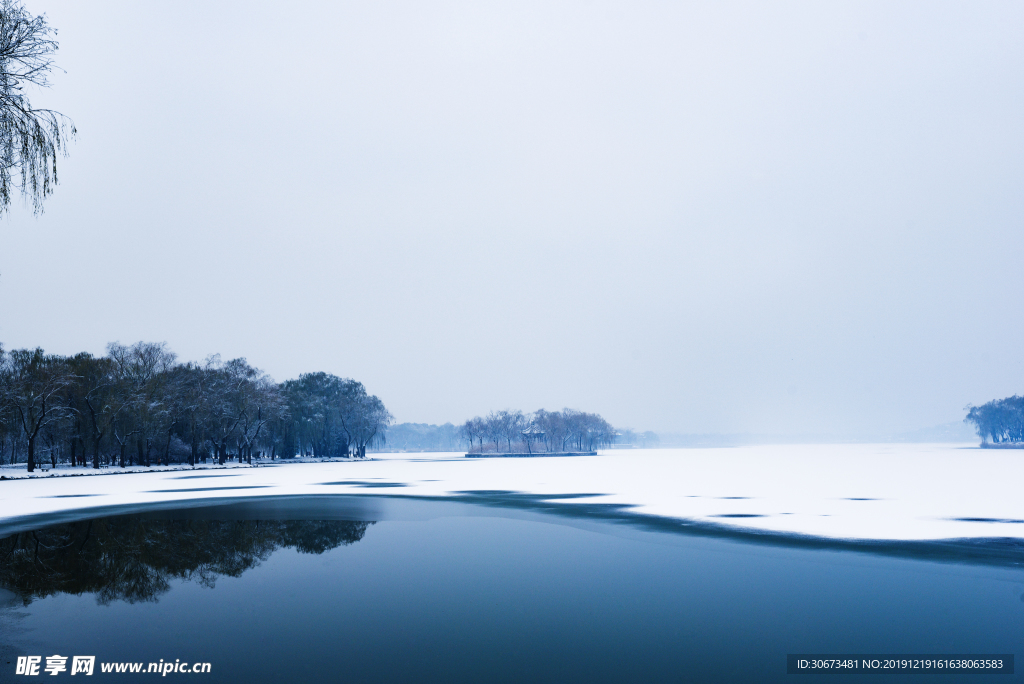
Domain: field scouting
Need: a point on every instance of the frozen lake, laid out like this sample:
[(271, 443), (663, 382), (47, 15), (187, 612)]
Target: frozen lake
[(834, 491), (369, 589)]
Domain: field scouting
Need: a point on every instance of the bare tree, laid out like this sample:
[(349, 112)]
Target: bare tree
[(493, 429), (30, 139), (33, 384), (365, 420), (512, 425), (143, 370), (473, 430), (261, 402), (195, 403), (100, 399), (226, 392)]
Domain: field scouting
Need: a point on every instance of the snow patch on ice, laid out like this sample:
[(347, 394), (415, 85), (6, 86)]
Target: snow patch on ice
[(849, 491)]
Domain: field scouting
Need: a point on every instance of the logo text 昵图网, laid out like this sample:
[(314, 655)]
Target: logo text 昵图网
[(86, 665)]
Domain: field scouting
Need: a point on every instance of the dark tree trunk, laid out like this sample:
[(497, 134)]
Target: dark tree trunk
[(31, 453)]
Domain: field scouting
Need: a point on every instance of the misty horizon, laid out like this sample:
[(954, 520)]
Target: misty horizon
[(732, 219)]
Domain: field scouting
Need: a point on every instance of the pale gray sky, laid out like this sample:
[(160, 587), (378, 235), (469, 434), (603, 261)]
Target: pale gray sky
[(789, 217)]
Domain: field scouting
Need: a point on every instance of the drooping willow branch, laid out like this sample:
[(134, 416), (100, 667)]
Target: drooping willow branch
[(30, 139)]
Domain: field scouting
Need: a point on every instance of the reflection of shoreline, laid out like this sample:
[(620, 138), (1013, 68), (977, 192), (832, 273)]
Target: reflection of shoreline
[(134, 558), (988, 551), (14, 636)]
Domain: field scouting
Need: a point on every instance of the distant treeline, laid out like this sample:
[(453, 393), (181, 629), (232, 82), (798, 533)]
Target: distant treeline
[(1000, 421), (511, 431), (137, 405)]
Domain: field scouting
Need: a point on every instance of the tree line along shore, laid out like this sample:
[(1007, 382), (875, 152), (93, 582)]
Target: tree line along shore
[(137, 405)]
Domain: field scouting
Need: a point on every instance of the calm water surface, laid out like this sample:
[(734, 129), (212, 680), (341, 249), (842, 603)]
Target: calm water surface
[(468, 594)]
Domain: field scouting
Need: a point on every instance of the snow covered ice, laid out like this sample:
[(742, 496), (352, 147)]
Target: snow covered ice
[(841, 491)]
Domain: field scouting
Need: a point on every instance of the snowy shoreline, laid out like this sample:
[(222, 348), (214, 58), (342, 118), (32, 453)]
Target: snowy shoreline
[(18, 471), (866, 492)]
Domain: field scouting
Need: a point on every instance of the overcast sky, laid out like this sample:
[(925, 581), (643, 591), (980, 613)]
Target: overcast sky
[(784, 217)]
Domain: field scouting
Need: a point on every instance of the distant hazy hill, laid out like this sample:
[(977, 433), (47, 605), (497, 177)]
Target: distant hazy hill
[(949, 432), (945, 433), (422, 437)]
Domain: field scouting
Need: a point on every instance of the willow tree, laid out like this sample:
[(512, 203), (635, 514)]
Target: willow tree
[(30, 139)]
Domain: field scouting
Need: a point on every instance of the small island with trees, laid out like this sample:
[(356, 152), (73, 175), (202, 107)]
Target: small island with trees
[(1000, 423), (542, 433)]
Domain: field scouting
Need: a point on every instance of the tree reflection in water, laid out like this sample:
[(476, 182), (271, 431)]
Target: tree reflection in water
[(132, 558)]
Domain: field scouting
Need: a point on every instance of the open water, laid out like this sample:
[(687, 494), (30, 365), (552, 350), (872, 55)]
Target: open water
[(365, 590)]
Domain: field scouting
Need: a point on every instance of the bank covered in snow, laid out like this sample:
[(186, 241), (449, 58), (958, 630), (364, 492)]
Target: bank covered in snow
[(840, 491)]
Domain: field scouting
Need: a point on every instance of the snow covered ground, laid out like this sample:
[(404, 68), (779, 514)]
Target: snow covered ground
[(18, 471), (845, 491)]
